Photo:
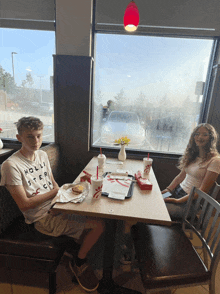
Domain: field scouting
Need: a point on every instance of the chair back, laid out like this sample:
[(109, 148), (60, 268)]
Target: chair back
[(215, 191), (203, 219)]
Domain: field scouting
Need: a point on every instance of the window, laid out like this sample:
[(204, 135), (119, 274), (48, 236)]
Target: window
[(155, 82), (26, 79)]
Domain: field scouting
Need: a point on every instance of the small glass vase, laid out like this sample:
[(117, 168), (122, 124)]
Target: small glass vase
[(122, 153), (1, 144)]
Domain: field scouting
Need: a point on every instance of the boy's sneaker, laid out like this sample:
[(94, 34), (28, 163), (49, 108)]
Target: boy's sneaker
[(126, 259), (85, 276)]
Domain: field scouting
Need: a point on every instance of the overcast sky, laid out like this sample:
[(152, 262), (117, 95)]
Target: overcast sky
[(155, 66), (34, 54)]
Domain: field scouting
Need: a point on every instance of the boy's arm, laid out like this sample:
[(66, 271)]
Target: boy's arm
[(24, 203), (55, 185)]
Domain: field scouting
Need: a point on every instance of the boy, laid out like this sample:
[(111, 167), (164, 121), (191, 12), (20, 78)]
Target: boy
[(28, 177)]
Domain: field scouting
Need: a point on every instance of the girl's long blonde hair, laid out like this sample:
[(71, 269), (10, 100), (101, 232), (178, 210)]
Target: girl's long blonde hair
[(192, 150)]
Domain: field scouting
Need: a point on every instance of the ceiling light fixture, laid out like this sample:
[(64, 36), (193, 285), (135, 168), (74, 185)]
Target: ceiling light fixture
[(131, 17)]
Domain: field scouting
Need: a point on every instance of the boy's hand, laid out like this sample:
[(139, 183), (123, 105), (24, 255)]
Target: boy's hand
[(55, 186), (56, 189), (53, 213)]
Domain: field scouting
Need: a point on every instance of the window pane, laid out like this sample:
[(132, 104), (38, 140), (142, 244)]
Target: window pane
[(149, 89), (26, 79)]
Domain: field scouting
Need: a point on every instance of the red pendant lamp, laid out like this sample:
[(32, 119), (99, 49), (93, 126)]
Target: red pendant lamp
[(131, 17)]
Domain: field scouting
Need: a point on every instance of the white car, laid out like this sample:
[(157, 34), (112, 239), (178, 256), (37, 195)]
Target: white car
[(121, 124)]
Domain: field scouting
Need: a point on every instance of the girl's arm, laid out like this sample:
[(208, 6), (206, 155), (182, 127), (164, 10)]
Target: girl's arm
[(207, 183), (177, 201), (176, 181)]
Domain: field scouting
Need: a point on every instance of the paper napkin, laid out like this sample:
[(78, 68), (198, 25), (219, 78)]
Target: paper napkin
[(117, 195), (65, 194)]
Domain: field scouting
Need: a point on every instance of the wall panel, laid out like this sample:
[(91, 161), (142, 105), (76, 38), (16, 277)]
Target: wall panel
[(72, 82)]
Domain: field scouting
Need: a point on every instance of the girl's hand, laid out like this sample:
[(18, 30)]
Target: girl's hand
[(164, 191), (177, 201), (171, 200)]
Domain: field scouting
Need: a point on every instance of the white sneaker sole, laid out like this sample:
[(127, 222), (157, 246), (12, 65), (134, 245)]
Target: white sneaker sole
[(87, 290)]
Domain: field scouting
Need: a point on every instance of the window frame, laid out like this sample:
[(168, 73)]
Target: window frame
[(42, 19)]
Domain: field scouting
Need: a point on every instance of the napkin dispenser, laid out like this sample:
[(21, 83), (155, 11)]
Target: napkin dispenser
[(143, 183)]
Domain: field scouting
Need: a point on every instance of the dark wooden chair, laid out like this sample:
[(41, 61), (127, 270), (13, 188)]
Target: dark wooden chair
[(31, 258), (166, 257)]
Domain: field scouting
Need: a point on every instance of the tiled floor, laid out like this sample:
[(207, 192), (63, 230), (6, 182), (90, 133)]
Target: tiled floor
[(122, 276)]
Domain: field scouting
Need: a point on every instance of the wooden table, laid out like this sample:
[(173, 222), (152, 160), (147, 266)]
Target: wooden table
[(143, 206)]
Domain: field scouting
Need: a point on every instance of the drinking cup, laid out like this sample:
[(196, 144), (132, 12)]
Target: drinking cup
[(96, 187), (101, 160), (147, 166)]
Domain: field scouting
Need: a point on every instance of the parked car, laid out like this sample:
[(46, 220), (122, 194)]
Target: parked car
[(120, 124), (29, 107)]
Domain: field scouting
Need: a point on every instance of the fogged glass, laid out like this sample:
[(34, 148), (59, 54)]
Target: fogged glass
[(26, 79), (149, 89)]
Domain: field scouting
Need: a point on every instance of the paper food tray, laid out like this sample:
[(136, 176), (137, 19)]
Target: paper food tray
[(131, 188)]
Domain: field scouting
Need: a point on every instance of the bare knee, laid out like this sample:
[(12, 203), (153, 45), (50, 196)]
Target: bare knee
[(97, 225), (101, 226)]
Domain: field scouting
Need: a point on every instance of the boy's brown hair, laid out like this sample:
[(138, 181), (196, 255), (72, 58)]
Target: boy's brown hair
[(29, 123)]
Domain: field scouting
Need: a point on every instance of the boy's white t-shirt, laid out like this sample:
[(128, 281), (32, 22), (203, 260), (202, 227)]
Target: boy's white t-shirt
[(34, 176), (195, 172)]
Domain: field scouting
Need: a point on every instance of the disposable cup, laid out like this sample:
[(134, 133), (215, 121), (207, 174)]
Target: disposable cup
[(96, 187), (147, 162), (101, 160)]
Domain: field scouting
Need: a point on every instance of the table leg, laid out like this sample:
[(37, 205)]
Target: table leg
[(107, 285)]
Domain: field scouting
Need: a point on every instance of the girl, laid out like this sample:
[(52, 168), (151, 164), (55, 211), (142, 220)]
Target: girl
[(199, 165)]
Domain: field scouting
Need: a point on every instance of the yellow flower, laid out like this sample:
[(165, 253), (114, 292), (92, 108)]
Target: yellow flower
[(122, 140)]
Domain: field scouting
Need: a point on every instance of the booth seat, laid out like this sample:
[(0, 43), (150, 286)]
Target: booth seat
[(28, 257)]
